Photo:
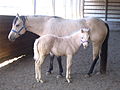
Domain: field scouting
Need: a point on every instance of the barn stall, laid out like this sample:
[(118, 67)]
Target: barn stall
[(9, 49), (22, 71)]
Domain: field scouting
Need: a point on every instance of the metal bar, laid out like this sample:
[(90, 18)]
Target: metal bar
[(53, 5), (34, 7), (65, 7), (113, 17), (71, 4), (94, 1), (94, 9), (93, 13), (102, 13), (80, 8), (113, 2), (106, 9), (83, 7), (96, 17), (94, 5), (114, 5)]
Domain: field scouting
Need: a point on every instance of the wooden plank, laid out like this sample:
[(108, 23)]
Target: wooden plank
[(95, 9), (93, 13), (94, 2), (94, 5)]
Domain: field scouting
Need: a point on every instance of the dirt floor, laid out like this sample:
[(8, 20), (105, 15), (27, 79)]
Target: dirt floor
[(20, 74)]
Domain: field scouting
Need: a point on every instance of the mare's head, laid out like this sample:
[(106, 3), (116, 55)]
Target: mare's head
[(84, 37), (18, 27)]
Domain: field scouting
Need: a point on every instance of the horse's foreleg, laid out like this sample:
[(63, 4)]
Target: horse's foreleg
[(96, 51), (60, 66), (68, 68), (38, 64), (51, 64)]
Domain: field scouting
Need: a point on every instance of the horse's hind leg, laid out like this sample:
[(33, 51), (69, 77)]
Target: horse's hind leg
[(96, 52), (51, 64), (38, 64), (60, 67), (104, 54)]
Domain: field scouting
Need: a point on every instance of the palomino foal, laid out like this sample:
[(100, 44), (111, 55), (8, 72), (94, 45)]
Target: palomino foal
[(59, 46)]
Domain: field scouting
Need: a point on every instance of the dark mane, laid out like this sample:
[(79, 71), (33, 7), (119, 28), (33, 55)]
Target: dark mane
[(15, 20), (56, 17), (21, 17)]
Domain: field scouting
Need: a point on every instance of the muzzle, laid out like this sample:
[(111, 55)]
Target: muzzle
[(85, 44)]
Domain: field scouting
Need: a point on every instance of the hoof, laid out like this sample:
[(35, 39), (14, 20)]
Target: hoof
[(98, 73), (48, 73), (68, 80), (59, 76), (41, 81), (88, 75)]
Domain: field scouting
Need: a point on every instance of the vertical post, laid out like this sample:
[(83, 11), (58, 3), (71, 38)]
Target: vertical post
[(65, 7), (106, 9), (76, 7), (79, 8), (71, 4), (53, 5), (34, 7), (82, 9)]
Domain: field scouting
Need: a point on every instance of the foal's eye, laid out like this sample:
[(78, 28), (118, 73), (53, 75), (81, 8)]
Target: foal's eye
[(17, 25)]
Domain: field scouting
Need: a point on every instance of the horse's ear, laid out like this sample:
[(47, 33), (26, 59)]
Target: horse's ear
[(18, 16)]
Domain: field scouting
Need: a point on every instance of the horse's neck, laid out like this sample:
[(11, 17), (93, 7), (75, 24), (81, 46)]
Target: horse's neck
[(36, 24)]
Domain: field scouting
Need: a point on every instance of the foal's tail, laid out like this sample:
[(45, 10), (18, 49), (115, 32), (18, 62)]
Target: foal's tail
[(36, 52), (104, 52)]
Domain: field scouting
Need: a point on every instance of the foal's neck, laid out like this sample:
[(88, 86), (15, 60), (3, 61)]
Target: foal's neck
[(76, 38), (36, 24)]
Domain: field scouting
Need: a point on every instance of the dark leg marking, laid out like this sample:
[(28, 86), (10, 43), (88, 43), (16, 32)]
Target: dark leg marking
[(51, 64), (60, 65), (93, 65)]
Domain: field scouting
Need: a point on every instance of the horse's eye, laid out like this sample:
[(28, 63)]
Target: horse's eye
[(17, 25)]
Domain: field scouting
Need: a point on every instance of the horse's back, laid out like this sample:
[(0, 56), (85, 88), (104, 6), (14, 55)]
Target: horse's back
[(63, 27)]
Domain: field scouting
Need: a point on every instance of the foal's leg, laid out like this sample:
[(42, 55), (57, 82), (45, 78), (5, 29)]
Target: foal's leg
[(38, 64), (96, 52), (68, 68), (60, 67)]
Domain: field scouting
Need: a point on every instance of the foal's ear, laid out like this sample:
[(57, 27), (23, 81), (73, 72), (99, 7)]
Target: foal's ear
[(82, 31)]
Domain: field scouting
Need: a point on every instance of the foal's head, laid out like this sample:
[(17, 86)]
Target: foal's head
[(18, 27), (84, 37)]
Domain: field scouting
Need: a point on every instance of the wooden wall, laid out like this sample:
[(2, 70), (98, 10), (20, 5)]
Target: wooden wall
[(108, 10), (23, 45)]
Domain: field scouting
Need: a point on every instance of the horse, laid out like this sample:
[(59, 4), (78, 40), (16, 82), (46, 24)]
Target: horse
[(58, 46), (42, 25)]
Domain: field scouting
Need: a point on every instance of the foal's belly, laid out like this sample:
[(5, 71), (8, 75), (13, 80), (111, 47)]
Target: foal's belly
[(58, 51)]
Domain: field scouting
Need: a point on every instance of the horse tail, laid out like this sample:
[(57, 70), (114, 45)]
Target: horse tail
[(104, 52), (36, 51)]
